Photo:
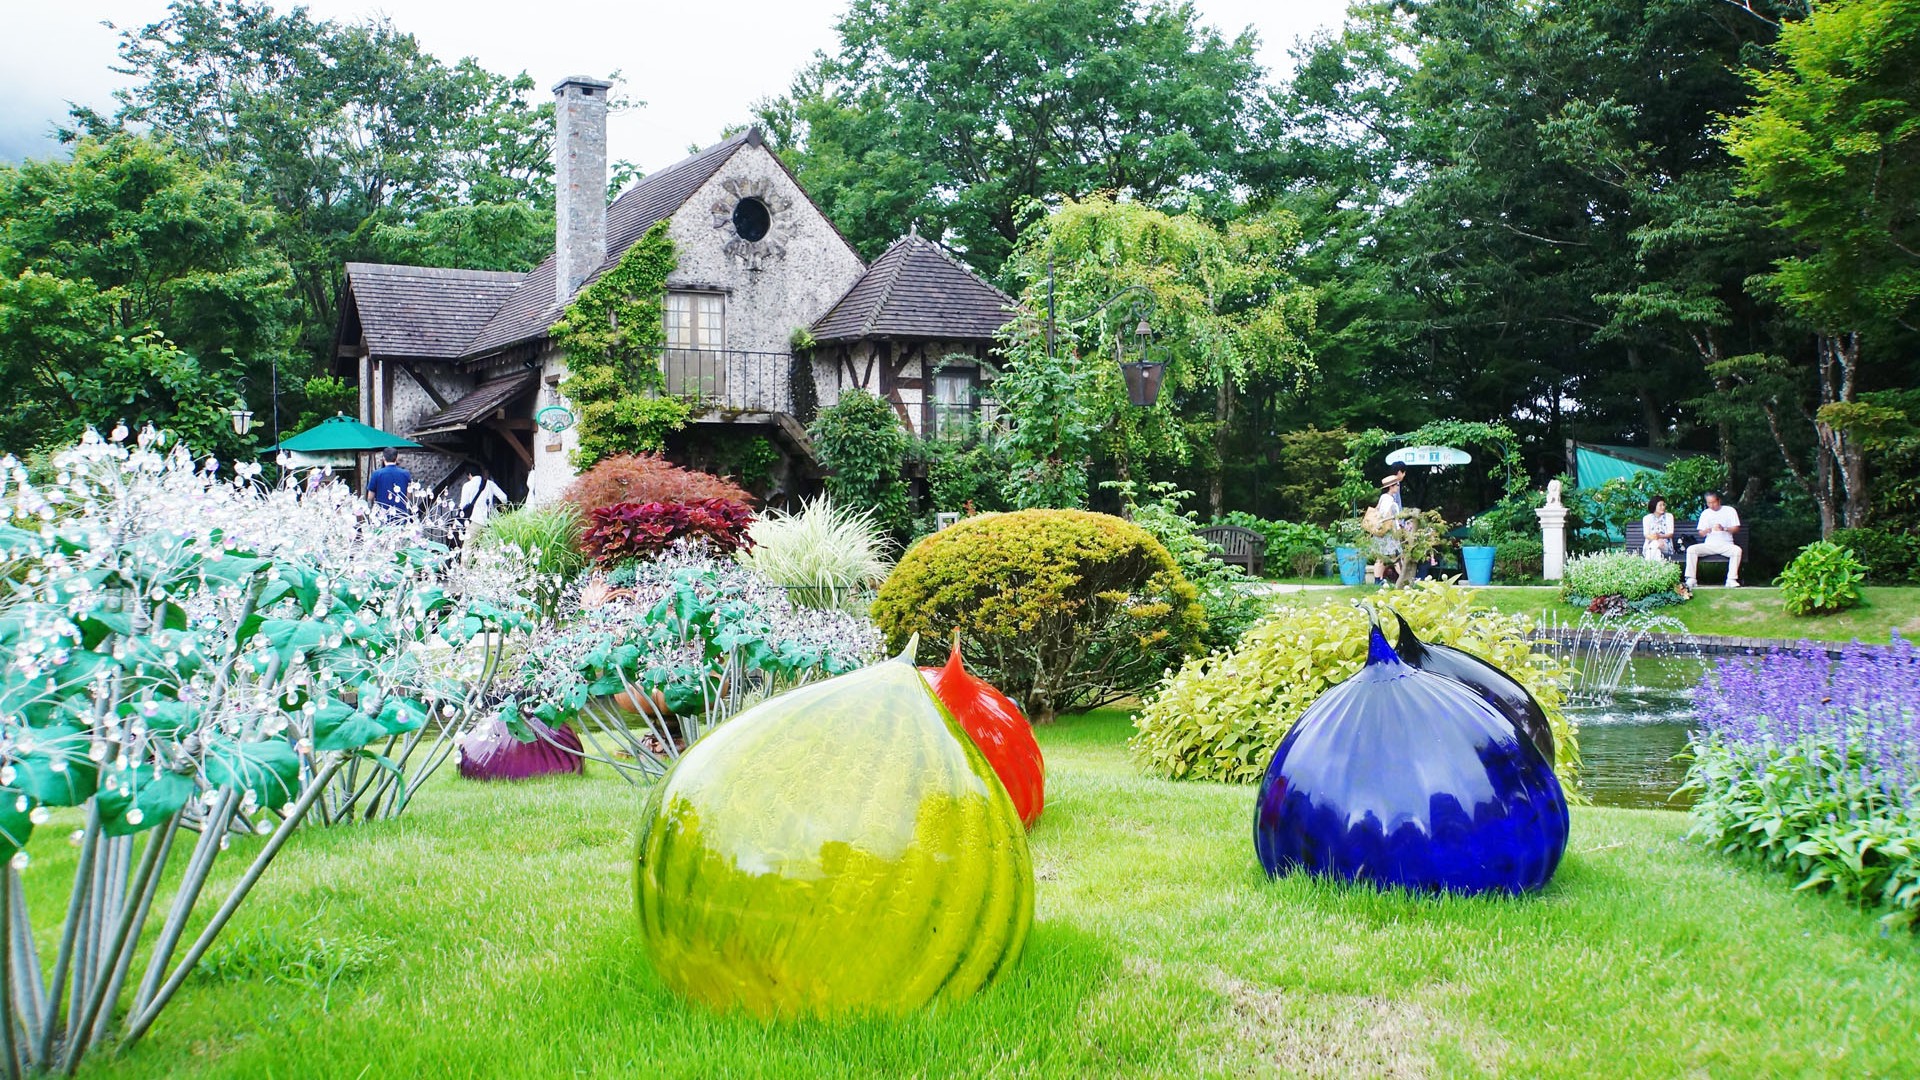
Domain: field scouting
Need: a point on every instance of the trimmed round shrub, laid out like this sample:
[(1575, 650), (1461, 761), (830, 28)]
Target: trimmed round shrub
[(1061, 609), (1223, 716), (1890, 557), (1823, 579), (1518, 558), (647, 478), (1619, 573)]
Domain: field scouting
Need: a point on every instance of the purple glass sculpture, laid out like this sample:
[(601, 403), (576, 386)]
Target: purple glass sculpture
[(1399, 777), (1495, 687), (492, 753)]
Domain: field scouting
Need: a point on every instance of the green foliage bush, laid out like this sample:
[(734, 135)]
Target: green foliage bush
[(1230, 606), (1519, 558), (1619, 573), (1824, 578), (1221, 717), (1891, 558), (1058, 608), (864, 446)]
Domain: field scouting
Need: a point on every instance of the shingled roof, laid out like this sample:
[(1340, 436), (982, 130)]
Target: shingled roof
[(424, 312), (917, 290), (484, 399), (534, 307)]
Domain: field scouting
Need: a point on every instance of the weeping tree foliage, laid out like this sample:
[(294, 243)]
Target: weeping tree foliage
[(1226, 312)]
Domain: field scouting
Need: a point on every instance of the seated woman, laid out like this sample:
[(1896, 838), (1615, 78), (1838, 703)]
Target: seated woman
[(1658, 527)]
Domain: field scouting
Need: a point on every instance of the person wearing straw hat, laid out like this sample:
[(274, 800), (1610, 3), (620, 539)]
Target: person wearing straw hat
[(1387, 524)]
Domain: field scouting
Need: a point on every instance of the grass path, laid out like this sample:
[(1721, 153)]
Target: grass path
[(1754, 611), (489, 934)]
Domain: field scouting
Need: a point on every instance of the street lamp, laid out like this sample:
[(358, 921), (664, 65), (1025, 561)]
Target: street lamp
[(1143, 376), (242, 417)]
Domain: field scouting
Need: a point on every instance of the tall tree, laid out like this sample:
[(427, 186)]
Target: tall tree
[(133, 283), (957, 113), (1475, 181), (1832, 148), (337, 126)]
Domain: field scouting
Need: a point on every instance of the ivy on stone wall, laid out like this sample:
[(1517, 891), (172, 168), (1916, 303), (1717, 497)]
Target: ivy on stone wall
[(613, 332)]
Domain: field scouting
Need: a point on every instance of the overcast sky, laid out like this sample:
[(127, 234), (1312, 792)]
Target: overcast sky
[(699, 65)]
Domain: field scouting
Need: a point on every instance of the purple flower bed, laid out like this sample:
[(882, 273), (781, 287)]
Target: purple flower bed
[(1811, 762)]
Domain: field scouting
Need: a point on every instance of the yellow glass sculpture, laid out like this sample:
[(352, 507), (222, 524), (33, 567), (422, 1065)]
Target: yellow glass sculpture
[(842, 848)]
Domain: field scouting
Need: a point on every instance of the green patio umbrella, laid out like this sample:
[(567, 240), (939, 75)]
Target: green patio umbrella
[(338, 434)]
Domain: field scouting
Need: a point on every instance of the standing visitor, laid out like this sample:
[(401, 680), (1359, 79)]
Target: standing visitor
[(1385, 522), (1718, 526), (1657, 527), (387, 487), (478, 498)]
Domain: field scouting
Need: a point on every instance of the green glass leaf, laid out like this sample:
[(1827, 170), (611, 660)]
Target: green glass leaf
[(400, 715), (270, 769), (342, 727), (57, 771), (16, 827), (156, 797)]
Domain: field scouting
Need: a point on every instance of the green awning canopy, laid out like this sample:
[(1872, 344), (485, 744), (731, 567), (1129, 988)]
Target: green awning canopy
[(336, 434), (1596, 463)]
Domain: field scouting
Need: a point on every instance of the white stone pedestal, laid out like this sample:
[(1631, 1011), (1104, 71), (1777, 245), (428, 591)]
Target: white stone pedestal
[(1553, 538)]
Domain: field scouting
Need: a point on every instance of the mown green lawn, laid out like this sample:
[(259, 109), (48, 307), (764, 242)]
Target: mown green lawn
[(489, 933), (1754, 611)]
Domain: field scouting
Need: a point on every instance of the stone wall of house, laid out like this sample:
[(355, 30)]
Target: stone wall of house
[(863, 365), (773, 287), (552, 453)]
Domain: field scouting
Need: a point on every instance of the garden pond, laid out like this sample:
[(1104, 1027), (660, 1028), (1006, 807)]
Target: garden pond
[(1630, 741)]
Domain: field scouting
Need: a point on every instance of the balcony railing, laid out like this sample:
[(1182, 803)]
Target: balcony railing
[(731, 380)]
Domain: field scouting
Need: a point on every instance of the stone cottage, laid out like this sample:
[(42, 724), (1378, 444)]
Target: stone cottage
[(461, 360)]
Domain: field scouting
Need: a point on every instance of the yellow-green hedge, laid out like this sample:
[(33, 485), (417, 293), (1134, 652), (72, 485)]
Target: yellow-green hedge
[(1221, 717), (1061, 609)]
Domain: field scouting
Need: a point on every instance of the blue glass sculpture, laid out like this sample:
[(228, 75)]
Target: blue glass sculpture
[(1495, 687), (1400, 777)]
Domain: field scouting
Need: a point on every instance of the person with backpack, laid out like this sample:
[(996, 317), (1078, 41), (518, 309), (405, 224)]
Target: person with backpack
[(479, 497)]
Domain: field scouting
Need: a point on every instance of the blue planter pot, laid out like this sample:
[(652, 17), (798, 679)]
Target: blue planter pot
[(1479, 562), (1353, 565)]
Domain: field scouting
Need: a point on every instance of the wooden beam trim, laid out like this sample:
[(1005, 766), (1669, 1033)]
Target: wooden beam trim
[(439, 402)]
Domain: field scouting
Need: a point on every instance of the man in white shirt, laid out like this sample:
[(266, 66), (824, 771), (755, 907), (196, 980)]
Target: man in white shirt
[(1718, 525), (478, 498)]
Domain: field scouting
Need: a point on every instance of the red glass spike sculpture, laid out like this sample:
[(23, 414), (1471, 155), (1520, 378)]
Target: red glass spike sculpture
[(999, 729)]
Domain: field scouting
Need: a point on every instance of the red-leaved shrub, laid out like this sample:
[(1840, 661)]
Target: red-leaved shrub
[(647, 478), (642, 530)]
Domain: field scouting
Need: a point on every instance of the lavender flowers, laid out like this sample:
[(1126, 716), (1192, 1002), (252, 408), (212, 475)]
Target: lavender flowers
[(1811, 762)]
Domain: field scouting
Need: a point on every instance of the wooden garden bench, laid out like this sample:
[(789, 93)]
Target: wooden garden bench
[(1236, 546), (1686, 534)]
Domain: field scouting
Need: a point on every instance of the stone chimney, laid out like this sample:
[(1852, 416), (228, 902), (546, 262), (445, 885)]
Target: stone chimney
[(579, 181)]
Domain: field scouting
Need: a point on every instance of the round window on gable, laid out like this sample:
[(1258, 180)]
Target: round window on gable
[(751, 219)]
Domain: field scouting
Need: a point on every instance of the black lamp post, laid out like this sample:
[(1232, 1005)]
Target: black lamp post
[(1143, 376), (243, 416)]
